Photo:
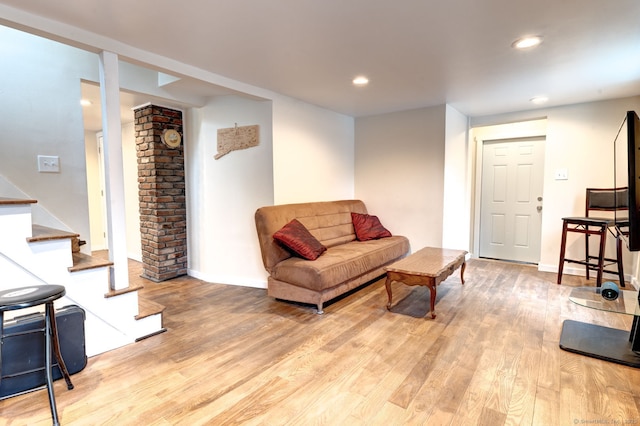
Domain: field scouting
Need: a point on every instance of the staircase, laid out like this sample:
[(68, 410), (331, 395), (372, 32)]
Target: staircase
[(31, 254)]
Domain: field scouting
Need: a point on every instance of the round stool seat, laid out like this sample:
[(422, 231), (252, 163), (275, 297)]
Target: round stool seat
[(25, 297)]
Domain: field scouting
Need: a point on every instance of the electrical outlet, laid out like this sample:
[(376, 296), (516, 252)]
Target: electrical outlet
[(48, 164), (562, 174)]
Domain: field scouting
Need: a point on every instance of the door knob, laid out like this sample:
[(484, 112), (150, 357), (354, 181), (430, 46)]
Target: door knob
[(539, 208)]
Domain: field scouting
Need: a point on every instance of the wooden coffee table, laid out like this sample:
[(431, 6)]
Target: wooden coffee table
[(428, 267)]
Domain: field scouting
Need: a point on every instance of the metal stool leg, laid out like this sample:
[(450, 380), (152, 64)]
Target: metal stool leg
[(47, 366)]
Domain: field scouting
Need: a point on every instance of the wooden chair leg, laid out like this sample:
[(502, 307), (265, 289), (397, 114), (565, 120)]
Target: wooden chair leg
[(586, 250), (603, 244), (56, 345), (619, 260), (563, 247)]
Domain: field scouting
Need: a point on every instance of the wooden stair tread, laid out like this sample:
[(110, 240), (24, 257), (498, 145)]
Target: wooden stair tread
[(131, 288), (83, 262), (15, 201), (148, 307), (44, 233)]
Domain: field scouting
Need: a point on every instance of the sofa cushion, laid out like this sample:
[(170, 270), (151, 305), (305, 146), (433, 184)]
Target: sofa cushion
[(298, 239), (368, 227), (341, 263)]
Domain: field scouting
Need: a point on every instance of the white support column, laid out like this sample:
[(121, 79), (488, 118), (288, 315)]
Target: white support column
[(114, 170)]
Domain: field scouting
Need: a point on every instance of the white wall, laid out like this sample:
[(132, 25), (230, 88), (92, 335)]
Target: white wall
[(397, 165), (456, 211), (399, 172), (580, 139), (41, 115), (131, 191), (313, 153), (414, 170), (223, 194), (305, 154)]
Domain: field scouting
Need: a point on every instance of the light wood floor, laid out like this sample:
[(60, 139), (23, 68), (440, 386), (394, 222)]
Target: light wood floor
[(232, 355)]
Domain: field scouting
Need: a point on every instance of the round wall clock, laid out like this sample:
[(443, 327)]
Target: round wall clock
[(171, 138)]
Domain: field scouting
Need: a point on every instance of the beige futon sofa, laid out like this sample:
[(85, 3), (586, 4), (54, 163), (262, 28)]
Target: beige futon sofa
[(346, 264)]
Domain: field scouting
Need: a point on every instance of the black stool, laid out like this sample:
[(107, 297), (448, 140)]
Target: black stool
[(26, 297)]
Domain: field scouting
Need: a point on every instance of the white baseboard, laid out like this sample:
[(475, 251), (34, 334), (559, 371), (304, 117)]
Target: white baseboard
[(579, 271), (230, 280)]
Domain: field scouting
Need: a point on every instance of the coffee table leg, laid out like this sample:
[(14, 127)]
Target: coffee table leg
[(432, 290), (464, 265), (387, 284)]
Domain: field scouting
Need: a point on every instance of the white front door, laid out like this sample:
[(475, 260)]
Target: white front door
[(511, 199)]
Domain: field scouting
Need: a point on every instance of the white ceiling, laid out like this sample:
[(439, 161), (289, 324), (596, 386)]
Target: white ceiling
[(416, 53)]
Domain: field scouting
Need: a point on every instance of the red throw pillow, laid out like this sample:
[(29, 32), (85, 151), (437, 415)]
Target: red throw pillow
[(368, 227), (298, 239)]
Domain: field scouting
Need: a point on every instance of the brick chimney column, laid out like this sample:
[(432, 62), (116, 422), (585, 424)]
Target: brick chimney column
[(161, 188)]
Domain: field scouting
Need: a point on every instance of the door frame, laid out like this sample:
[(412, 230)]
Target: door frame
[(503, 142), (536, 128)]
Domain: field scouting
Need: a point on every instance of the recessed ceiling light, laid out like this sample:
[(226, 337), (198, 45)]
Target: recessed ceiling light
[(527, 42), (85, 102), (539, 100), (360, 81)]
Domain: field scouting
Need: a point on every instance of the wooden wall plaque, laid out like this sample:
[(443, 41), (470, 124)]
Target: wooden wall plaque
[(235, 138)]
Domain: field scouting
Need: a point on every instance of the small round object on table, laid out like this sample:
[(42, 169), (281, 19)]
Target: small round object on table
[(609, 290)]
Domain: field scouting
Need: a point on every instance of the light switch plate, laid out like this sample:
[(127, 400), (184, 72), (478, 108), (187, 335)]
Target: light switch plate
[(48, 164), (562, 174)]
